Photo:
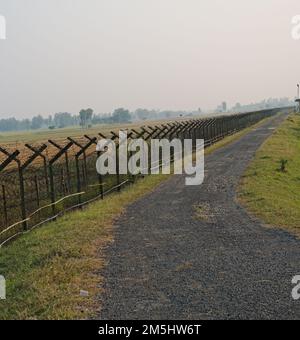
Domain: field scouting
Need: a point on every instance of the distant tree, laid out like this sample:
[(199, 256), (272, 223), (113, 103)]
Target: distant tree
[(142, 114), (25, 124), (86, 117), (97, 119), (121, 116), (63, 119), (8, 124), (37, 122), (224, 107), (102, 119), (50, 121)]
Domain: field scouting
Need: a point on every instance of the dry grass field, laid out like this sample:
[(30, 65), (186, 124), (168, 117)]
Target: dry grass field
[(12, 141)]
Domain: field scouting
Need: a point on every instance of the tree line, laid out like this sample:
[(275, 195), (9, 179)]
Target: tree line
[(86, 118)]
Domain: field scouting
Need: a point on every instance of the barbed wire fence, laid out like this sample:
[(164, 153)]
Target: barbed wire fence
[(44, 185)]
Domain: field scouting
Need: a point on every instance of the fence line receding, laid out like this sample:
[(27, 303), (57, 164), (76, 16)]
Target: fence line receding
[(53, 178)]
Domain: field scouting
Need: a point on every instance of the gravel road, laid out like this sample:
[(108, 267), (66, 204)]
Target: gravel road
[(167, 262)]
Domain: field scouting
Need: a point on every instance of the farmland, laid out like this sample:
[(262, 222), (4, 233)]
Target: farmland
[(17, 140)]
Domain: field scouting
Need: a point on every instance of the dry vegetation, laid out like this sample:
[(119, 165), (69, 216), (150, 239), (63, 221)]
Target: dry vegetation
[(17, 140)]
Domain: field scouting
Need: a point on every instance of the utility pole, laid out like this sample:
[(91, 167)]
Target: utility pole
[(298, 99)]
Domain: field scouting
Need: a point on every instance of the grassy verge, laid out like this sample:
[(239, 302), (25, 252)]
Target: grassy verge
[(47, 268), (270, 188)]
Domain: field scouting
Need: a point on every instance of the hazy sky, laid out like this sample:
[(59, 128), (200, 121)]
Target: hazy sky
[(64, 55)]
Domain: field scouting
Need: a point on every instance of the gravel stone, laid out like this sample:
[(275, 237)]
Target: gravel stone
[(166, 263)]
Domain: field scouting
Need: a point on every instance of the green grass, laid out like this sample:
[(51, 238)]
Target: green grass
[(46, 269), (268, 192)]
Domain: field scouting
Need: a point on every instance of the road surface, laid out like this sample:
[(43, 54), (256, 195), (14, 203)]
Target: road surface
[(167, 262)]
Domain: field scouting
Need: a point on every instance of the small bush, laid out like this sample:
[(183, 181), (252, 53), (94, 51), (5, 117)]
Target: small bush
[(283, 164)]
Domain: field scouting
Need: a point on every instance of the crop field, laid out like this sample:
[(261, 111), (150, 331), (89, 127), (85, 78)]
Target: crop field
[(12, 141)]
